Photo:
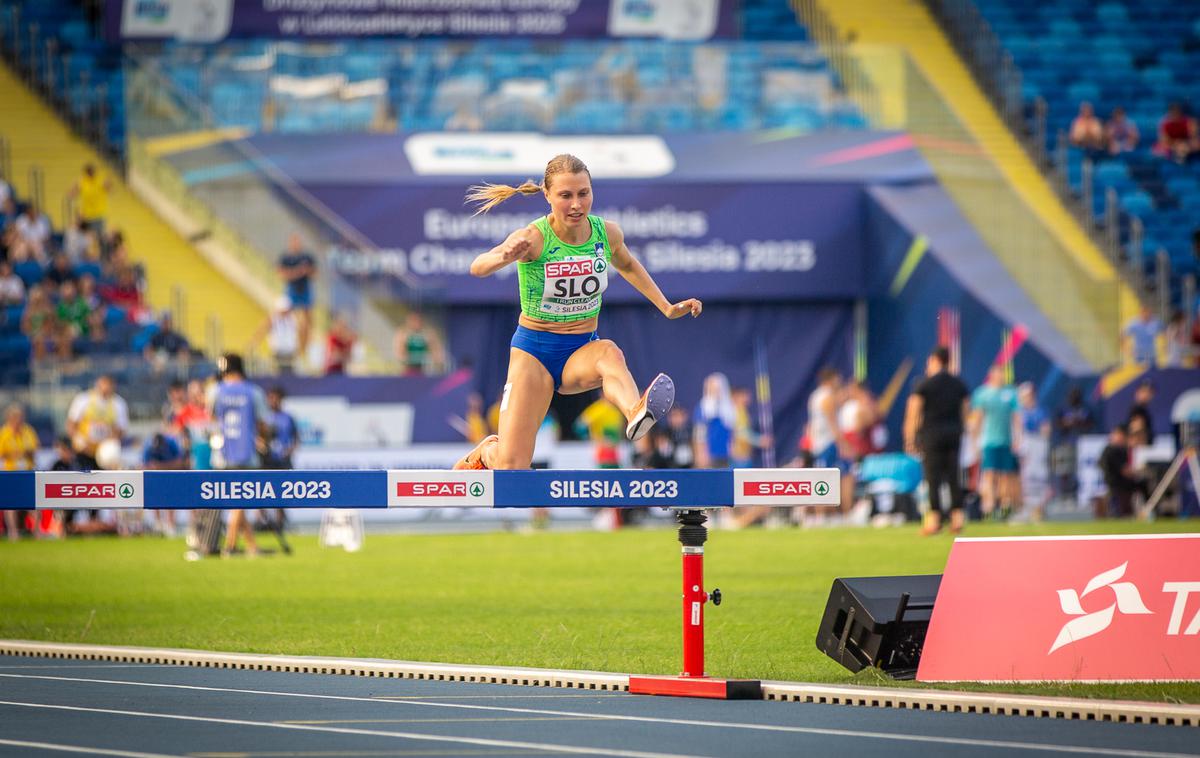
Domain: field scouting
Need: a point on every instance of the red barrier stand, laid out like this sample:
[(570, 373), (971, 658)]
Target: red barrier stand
[(692, 682)]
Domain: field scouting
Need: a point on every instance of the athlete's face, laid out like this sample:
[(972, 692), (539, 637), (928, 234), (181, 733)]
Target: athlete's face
[(570, 198)]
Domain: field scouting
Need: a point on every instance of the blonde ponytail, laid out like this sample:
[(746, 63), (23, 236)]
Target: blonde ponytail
[(488, 195)]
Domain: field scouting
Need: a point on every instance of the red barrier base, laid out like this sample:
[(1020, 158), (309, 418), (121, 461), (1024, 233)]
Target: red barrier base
[(695, 686)]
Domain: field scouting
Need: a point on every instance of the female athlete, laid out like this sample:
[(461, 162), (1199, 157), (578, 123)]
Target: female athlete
[(562, 270)]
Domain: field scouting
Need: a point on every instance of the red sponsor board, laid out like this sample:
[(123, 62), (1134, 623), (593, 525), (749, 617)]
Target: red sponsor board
[(80, 491), (1067, 608), (780, 489), (431, 489), (560, 269)]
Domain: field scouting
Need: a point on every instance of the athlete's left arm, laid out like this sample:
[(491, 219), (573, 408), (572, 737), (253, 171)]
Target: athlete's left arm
[(637, 275)]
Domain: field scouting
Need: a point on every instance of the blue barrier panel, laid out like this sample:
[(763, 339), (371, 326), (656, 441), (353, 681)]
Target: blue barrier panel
[(672, 488), (266, 489), (186, 490)]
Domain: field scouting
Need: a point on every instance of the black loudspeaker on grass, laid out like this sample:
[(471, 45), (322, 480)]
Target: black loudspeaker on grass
[(878, 621)]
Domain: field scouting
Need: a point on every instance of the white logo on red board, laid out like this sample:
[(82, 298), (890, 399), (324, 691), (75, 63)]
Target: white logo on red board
[(1128, 601)]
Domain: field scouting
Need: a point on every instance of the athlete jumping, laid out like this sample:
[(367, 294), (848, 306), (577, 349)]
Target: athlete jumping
[(562, 269)]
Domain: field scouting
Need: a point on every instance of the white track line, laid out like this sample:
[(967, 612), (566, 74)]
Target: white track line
[(965, 741), (547, 747), (86, 750)]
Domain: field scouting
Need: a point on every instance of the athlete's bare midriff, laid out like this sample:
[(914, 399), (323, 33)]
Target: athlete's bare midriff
[(584, 326)]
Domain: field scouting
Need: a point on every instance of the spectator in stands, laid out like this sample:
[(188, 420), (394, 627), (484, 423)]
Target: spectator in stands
[(994, 422), (297, 267), (40, 324), (33, 229), (418, 347), (1121, 133), (92, 190), (1179, 341), (339, 346), (1118, 473), (173, 406), (12, 288), (94, 416), (18, 443), (78, 242), (60, 271), (933, 429), (284, 433), (126, 294), (166, 344), (26, 266), (1086, 130), (164, 453), (97, 306), (5, 193), (1178, 138), (74, 315), (282, 331), (1139, 428), (240, 413), (1140, 336)]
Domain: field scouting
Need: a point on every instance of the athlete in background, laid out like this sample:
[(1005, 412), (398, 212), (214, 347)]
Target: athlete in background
[(562, 266)]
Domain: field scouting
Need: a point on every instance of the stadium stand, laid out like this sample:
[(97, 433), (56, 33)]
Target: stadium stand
[(1137, 56)]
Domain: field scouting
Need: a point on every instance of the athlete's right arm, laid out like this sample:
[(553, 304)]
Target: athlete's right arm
[(522, 245)]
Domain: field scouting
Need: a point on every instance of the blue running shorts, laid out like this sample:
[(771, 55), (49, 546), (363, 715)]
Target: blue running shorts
[(551, 349)]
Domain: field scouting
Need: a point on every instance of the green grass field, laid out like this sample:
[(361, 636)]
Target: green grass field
[(585, 600)]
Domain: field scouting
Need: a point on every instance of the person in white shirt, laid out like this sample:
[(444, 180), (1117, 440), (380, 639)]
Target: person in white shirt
[(96, 415), (12, 289), (33, 228)]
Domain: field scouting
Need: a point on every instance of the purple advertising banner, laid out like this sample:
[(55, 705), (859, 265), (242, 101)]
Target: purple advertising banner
[(215, 20), (718, 241)]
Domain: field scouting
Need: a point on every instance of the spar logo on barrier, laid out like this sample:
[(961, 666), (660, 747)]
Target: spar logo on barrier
[(805, 487), (424, 489), (1097, 608), (96, 489)]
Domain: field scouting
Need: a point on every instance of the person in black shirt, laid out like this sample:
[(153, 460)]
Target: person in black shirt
[(1118, 474), (933, 428), (1140, 426)]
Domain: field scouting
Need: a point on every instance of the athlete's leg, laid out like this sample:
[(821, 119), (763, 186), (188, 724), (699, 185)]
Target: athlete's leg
[(601, 364), (527, 395)]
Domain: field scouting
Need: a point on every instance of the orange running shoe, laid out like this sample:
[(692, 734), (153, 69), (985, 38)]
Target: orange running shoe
[(473, 461)]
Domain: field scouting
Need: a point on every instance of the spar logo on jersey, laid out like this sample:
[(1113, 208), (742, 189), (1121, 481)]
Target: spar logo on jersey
[(576, 278), (88, 491), (782, 489)]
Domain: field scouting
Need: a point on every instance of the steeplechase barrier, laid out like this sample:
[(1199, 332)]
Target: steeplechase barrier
[(688, 492)]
